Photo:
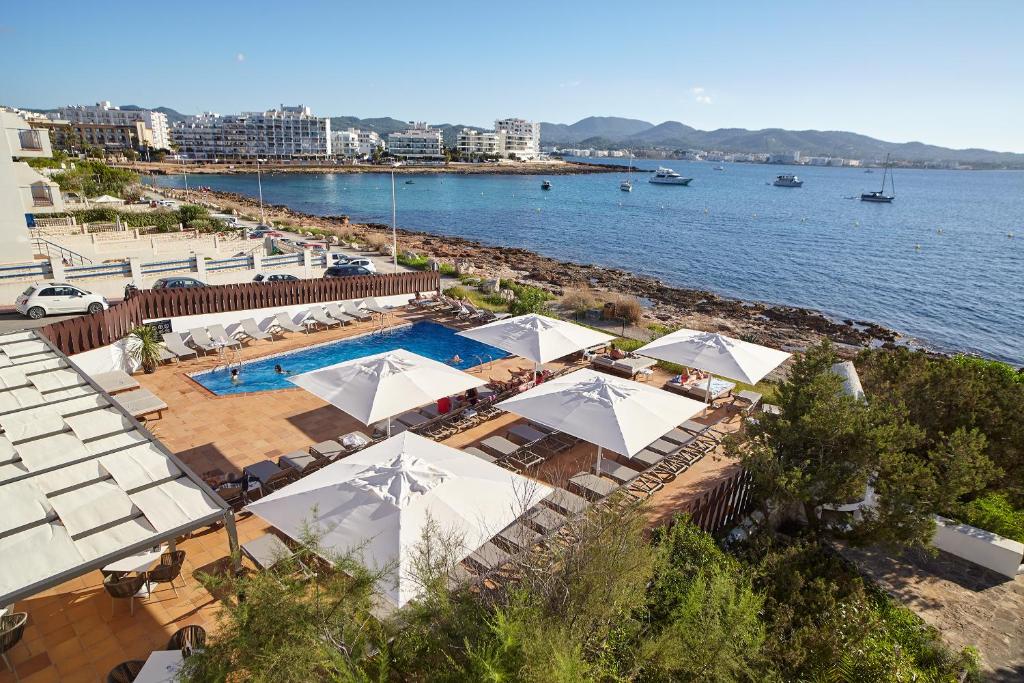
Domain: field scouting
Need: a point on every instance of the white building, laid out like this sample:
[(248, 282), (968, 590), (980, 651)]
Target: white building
[(279, 134), (522, 138), (355, 143), (473, 142), (419, 143), (23, 191), (158, 131)]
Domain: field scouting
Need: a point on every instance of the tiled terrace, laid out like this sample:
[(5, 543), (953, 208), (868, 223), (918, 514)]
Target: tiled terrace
[(71, 634)]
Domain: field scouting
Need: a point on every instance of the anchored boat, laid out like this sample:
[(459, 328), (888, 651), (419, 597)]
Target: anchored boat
[(666, 176)]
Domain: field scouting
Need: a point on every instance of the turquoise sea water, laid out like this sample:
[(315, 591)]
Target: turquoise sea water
[(937, 264), (425, 338)]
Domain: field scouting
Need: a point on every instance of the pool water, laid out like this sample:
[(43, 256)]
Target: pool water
[(425, 338)]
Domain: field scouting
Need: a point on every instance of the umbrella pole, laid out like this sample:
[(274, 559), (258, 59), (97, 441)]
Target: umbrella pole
[(597, 465), (707, 392), (389, 427)]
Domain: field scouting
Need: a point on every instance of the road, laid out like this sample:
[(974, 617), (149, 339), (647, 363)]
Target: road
[(11, 321)]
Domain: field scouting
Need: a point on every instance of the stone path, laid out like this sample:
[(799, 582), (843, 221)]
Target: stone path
[(969, 604)]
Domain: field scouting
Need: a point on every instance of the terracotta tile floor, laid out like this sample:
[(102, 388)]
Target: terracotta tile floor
[(71, 635)]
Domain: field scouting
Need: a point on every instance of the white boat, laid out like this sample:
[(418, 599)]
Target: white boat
[(787, 181), (666, 176), (879, 196), (626, 185), (546, 185)]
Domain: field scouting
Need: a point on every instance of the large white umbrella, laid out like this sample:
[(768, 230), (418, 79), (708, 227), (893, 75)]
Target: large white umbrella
[(717, 354), (537, 337), (386, 384), (614, 413), (377, 502)]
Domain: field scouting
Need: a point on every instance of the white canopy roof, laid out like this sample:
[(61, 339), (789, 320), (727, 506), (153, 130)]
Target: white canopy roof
[(537, 337), (80, 482), (378, 501), (615, 413), (385, 384), (716, 353)]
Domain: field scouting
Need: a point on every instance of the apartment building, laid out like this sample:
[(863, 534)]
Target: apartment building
[(281, 134), (23, 191), (113, 121), (355, 143), (419, 143), (522, 138), (471, 142)]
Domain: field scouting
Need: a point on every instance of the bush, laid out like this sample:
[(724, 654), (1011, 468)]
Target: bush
[(579, 299), (448, 270), (456, 292), (628, 308), (528, 299), (993, 512)]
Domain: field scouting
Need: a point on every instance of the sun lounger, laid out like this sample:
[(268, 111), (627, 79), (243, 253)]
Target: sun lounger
[(202, 340), (591, 486), (412, 419), (284, 322), (350, 308), (544, 520), (565, 502), (679, 437), (647, 458), (321, 318), (488, 557), (115, 381), (166, 354), (518, 537), (627, 367), (335, 312), (176, 345), (251, 330), (327, 449), (499, 445), (530, 436), (140, 402), (618, 473), (477, 453), (663, 447), (300, 461), (720, 388), (752, 399), (221, 336), (353, 441)]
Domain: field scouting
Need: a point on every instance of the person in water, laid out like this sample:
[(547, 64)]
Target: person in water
[(279, 370), (456, 360), (235, 379)]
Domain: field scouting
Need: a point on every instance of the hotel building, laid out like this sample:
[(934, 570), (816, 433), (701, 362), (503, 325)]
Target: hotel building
[(474, 142), (280, 134), (522, 138), (419, 143), (108, 122), (353, 143)]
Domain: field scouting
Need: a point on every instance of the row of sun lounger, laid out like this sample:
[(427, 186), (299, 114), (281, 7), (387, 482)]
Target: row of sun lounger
[(460, 310)]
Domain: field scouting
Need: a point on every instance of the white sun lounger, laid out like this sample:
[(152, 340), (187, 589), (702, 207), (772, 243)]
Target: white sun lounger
[(221, 336), (616, 472), (335, 312), (176, 344), (201, 338), (320, 317), (251, 330), (284, 322), (350, 308)]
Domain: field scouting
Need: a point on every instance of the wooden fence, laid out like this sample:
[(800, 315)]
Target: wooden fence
[(106, 327), (724, 506)]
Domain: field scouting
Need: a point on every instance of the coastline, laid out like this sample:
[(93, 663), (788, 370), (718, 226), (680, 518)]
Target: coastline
[(457, 168), (781, 326)]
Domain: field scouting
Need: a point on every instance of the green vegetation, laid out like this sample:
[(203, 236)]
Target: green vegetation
[(614, 605), (55, 161), (993, 512), (826, 446), (528, 299), (191, 216), (93, 178)]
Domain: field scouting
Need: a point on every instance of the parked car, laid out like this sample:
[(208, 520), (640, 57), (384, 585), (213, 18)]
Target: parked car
[(177, 283), (258, 234), (46, 298), (165, 202), (364, 262), (347, 270), (276, 277)]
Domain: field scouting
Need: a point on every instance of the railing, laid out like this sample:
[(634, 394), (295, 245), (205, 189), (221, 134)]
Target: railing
[(96, 330), (168, 266), (118, 269), (724, 506), (33, 271), (233, 263), (282, 261), (45, 247), (52, 222)]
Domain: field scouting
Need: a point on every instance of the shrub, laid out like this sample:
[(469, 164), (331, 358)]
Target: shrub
[(579, 299), (628, 308), (528, 299), (456, 292), (993, 512), (448, 269)]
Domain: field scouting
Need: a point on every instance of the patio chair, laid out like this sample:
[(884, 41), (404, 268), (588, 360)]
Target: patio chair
[(251, 330), (284, 322), (335, 312), (123, 588), (591, 486), (350, 308), (12, 628), (221, 336), (201, 338), (168, 570), (752, 399), (648, 458), (321, 318), (188, 639), (125, 672), (679, 437), (175, 343)]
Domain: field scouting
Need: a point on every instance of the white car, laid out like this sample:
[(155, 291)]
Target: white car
[(48, 298), (364, 262)]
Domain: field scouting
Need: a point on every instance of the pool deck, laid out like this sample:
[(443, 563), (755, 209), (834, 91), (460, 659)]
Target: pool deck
[(72, 635)]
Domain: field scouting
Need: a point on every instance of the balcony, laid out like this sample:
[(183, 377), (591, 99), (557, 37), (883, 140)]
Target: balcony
[(30, 140)]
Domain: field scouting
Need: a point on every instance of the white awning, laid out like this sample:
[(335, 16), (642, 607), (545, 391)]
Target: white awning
[(537, 337)]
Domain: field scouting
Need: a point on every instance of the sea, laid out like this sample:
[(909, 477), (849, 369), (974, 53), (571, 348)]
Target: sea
[(943, 264)]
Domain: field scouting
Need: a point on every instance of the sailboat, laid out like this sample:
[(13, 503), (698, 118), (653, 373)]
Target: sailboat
[(879, 196), (625, 185)]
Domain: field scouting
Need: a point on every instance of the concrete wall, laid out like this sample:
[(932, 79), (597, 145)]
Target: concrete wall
[(984, 548)]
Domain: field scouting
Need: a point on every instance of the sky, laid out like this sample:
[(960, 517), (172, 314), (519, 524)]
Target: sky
[(946, 73)]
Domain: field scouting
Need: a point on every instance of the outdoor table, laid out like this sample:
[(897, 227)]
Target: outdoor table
[(266, 551), (593, 486), (263, 470), (140, 564), (162, 666)]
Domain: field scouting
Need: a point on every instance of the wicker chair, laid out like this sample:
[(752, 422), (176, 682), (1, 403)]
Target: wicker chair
[(169, 569), (12, 628), (125, 672), (122, 588), (188, 639)]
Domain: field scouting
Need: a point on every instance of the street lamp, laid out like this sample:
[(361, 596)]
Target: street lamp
[(184, 171), (259, 183), (394, 230)]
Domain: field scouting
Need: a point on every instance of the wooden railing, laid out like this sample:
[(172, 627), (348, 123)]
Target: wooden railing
[(106, 327), (724, 506)]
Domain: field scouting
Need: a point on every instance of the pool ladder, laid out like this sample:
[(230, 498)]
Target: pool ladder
[(229, 357), (482, 363)]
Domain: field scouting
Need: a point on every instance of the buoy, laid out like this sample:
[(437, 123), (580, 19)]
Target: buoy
[(1010, 235), (939, 231), (917, 246)]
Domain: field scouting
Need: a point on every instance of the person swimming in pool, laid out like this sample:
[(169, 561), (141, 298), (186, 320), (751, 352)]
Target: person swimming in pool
[(235, 379), (281, 371), (456, 360)]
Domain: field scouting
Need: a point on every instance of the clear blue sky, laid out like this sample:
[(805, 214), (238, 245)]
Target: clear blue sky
[(949, 73)]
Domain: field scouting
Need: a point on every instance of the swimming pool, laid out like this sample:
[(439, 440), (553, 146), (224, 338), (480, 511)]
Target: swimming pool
[(425, 338)]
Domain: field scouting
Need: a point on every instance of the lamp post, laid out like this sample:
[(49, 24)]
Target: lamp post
[(184, 171), (394, 230), (259, 184)]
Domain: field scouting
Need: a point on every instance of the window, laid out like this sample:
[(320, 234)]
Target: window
[(49, 291)]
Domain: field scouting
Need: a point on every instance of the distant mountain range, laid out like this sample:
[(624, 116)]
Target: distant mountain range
[(603, 132)]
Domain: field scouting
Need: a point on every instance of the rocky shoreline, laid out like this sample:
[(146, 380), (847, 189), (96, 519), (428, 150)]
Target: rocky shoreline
[(787, 327)]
